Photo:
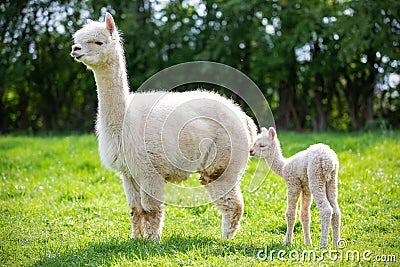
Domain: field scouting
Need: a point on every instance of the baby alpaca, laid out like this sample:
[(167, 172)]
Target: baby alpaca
[(310, 172)]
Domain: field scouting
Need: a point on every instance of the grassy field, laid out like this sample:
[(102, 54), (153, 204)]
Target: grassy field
[(59, 207)]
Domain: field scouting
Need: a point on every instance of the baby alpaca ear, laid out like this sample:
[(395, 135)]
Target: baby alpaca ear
[(272, 132), (110, 24)]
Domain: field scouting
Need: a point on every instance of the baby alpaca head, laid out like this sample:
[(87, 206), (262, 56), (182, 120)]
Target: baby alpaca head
[(266, 141), (97, 43)]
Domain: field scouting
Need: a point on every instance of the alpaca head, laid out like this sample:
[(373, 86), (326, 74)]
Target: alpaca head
[(266, 142), (97, 44)]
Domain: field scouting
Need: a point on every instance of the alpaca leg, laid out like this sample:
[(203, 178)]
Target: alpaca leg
[(132, 193), (332, 192), (153, 222), (305, 203), (292, 198), (318, 189), (230, 205), (153, 217)]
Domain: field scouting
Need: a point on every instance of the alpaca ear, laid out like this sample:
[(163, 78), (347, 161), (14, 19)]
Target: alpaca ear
[(89, 21), (110, 24), (272, 132)]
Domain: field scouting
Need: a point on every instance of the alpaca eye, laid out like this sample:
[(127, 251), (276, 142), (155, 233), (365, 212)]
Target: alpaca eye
[(98, 43)]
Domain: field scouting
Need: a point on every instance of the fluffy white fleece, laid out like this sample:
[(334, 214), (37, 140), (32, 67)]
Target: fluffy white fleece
[(157, 136), (312, 172)]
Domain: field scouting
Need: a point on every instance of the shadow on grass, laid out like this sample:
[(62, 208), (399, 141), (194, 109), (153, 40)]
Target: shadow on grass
[(112, 250)]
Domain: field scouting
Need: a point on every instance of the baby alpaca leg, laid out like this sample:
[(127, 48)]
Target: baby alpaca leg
[(305, 203), (153, 217), (292, 198), (332, 192), (318, 189), (132, 193), (230, 205)]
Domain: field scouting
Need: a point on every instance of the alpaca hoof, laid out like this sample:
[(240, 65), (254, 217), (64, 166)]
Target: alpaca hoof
[(288, 239), (136, 235), (286, 242), (308, 243), (155, 239), (323, 244), (228, 234), (339, 243)]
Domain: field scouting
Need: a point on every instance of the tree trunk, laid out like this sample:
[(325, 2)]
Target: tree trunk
[(369, 110), (283, 116), (290, 110), (321, 118)]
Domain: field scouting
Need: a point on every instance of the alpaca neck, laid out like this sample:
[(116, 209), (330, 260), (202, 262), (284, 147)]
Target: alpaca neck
[(112, 94), (276, 161)]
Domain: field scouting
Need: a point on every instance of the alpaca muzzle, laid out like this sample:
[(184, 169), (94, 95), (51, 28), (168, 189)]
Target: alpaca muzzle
[(75, 53), (252, 152)]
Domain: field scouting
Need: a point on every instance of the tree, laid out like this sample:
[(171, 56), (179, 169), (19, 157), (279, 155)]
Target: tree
[(321, 64)]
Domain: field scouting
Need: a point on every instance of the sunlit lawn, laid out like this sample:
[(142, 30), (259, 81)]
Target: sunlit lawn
[(58, 206)]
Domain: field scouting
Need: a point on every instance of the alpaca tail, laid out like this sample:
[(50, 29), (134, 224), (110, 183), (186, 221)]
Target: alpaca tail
[(334, 173), (329, 162), (330, 169), (252, 131)]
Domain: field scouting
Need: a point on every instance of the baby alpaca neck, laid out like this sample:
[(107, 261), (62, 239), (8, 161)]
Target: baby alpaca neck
[(275, 159)]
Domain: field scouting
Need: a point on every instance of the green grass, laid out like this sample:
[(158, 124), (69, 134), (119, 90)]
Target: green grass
[(59, 207)]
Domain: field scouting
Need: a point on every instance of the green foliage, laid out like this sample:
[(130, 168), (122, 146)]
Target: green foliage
[(59, 207), (321, 64)]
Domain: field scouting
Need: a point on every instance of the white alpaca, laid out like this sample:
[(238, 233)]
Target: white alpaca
[(312, 171), (155, 137)]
